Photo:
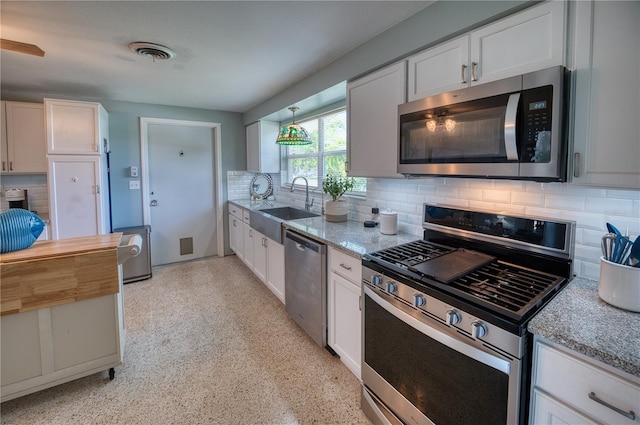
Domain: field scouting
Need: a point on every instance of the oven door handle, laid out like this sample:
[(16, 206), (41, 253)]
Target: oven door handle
[(490, 360), (510, 117)]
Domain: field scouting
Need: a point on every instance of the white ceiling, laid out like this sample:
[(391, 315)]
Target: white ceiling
[(231, 55)]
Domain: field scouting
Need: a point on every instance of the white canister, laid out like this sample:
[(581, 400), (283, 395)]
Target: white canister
[(388, 222)]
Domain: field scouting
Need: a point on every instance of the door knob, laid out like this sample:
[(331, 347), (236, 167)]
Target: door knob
[(154, 203)]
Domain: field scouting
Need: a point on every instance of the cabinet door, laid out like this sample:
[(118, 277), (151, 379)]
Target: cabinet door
[(524, 42), (439, 69), (26, 141), (3, 138), (606, 72), (20, 346), (235, 231), (74, 196), (263, 154), (344, 321), (260, 255), (247, 245), (545, 410), (73, 127), (93, 337), (275, 268), (372, 121)]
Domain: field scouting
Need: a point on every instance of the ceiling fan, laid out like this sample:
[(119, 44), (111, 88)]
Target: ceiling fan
[(17, 46)]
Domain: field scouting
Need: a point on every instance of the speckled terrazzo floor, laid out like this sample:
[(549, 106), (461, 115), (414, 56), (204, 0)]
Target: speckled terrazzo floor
[(207, 343)]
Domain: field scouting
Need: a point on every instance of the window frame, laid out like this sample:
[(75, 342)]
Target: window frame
[(320, 154)]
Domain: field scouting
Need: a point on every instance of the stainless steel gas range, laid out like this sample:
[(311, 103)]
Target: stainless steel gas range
[(444, 318)]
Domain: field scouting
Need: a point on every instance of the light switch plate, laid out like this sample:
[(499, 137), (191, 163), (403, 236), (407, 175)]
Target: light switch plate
[(134, 184), (133, 171)]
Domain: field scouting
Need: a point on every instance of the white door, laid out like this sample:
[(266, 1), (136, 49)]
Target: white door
[(180, 190)]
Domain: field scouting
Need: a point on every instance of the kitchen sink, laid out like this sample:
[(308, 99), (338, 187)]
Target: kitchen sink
[(269, 220), (289, 213)]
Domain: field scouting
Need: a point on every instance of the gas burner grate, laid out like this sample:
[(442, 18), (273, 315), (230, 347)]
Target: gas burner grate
[(506, 286), (410, 254)]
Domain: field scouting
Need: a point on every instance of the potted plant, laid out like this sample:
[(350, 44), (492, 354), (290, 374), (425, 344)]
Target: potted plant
[(336, 209)]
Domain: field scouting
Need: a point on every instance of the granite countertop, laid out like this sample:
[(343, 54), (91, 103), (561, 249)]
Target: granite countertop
[(350, 237), (579, 320)]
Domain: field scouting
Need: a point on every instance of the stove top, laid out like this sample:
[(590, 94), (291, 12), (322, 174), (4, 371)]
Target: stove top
[(509, 272)]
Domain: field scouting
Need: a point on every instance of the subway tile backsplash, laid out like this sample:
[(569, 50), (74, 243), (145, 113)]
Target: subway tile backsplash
[(590, 208), (37, 190)]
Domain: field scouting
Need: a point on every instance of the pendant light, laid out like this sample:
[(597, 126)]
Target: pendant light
[(293, 134)]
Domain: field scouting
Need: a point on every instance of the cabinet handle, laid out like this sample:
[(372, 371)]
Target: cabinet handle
[(345, 267), (630, 414), (464, 72), (360, 302), (264, 242), (250, 233), (10, 165), (474, 67), (98, 189), (4, 166), (576, 164), (234, 223)]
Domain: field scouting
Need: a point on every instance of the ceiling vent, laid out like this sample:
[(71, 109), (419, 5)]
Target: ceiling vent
[(152, 50)]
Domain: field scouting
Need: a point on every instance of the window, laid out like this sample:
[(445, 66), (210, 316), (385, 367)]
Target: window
[(326, 155)]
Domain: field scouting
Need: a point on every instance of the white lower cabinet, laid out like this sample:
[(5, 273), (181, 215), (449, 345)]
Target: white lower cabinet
[(260, 255), (344, 313), (568, 389), (275, 269), (247, 245), (53, 345), (263, 256)]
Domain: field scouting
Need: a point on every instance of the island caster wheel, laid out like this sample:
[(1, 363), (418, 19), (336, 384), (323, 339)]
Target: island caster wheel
[(112, 374)]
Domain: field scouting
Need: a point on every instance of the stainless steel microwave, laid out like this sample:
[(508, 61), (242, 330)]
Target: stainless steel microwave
[(512, 128)]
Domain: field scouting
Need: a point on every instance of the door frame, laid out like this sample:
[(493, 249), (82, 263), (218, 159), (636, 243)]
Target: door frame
[(217, 172)]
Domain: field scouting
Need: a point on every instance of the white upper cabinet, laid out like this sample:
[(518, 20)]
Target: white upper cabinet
[(606, 76), (23, 148), (524, 42), (75, 128), (263, 154), (372, 121)]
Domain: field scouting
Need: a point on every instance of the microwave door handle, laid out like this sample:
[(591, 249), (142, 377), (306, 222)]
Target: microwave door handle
[(510, 117)]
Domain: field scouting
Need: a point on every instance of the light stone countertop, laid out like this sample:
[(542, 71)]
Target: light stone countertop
[(579, 320), (350, 237)]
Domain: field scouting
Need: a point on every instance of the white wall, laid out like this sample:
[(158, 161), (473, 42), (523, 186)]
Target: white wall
[(590, 208)]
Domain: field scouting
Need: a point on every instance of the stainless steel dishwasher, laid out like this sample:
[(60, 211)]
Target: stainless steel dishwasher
[(305, 288)]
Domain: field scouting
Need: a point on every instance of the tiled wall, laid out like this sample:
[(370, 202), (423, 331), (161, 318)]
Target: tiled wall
[(37, 191), (590, 208)]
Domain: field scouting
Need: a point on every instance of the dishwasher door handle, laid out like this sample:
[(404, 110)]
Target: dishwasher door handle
[(300, 247)]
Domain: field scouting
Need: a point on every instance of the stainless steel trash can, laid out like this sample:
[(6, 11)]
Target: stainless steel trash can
[(138, 267)]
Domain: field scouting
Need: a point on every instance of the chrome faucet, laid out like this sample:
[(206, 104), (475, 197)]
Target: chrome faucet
[(307, 204)]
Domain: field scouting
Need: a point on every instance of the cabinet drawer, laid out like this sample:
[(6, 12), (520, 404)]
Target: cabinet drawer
[(572, 380), (235, 211), (346, 266)]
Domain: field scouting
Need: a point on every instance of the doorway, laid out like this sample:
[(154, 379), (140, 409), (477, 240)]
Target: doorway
[(181, 193)]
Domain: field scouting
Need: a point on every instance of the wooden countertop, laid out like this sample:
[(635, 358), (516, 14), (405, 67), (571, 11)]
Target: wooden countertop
[(56, 272), (43, 249)]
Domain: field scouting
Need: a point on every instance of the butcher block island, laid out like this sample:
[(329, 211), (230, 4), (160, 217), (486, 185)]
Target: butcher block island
[(61, 313)]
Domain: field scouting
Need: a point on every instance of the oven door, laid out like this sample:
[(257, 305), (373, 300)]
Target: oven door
[(426, 373)]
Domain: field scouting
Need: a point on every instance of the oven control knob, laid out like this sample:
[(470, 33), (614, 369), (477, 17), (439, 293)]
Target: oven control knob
[(419, 300), (376, 279), (392, 287), (453, 317), (478, 330)]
